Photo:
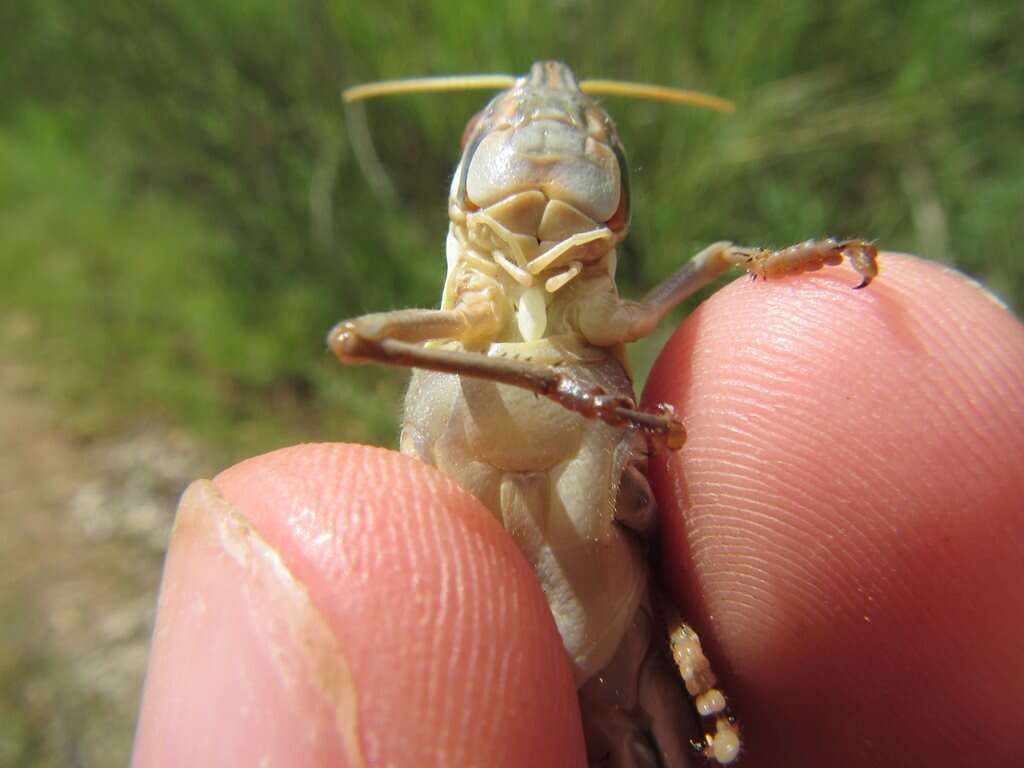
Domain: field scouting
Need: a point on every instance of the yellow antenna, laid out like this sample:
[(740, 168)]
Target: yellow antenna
[(498, 82), (427, 85), (655, 93)]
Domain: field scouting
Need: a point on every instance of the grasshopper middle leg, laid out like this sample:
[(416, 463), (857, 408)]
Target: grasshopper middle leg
[(389, 338)]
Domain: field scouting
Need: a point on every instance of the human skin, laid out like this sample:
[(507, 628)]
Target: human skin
[(845, 527)]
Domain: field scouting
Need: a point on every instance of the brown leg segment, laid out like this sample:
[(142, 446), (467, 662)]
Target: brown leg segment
[(367, 340)]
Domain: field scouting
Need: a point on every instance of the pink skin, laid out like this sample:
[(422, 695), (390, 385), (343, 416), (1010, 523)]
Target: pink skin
[(845, 526)]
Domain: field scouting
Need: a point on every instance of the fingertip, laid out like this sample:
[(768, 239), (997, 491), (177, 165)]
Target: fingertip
[(449, 645), (847, 491)]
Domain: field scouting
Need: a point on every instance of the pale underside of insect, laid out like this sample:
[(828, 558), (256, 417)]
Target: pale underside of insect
[(538, 203)]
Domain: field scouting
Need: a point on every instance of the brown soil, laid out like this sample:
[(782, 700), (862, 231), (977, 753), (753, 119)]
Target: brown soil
[(83, 528)]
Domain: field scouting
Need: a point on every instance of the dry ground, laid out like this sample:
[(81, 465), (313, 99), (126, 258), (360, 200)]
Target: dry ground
[(83, 527)]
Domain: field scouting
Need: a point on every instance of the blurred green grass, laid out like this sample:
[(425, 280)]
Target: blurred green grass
[(182, 215)]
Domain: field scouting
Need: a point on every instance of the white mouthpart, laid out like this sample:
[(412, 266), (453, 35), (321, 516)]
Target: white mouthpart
[(532, 315)]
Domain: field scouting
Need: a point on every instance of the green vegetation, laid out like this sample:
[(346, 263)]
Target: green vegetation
[(182, 214), (126, 296)]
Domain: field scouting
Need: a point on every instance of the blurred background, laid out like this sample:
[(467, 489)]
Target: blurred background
[(186, 208)]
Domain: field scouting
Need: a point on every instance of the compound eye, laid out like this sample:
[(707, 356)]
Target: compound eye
[(620, 219), (468, 150), (470, 129)]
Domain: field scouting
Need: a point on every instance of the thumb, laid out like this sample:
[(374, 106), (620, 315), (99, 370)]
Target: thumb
[(343, 605)]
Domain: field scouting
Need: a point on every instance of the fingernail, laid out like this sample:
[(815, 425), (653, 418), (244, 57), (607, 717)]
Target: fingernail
[(243, 669)]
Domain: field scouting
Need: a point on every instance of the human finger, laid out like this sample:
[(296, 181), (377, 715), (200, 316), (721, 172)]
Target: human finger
[(846, 520), (344, 605)]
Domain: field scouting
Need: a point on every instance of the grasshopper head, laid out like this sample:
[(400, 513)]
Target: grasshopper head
[(545, 134)]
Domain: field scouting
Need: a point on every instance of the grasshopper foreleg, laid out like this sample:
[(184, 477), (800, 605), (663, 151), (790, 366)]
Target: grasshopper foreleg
[(633, 320), (809, 256)]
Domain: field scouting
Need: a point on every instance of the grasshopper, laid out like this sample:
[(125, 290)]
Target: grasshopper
[(521, 391)]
